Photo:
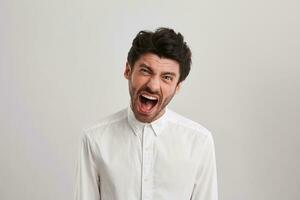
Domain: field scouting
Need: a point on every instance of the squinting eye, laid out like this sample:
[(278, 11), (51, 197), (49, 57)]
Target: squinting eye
[(169, 78), (144, 71)]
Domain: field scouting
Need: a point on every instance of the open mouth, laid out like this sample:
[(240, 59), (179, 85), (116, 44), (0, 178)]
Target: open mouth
[(148, 102)]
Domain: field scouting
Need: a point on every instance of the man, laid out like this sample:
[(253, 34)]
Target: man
[(148, 152)]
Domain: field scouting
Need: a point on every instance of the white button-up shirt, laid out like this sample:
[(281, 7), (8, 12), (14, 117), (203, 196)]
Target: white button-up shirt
[(172, 158)]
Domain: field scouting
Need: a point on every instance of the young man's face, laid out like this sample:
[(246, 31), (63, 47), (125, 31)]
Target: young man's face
[(153, 81)]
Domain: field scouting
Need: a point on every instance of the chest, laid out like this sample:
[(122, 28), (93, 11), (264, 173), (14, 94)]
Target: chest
[(131, 164)]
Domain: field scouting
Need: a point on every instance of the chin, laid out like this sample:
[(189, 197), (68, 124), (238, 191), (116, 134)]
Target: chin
[(148, 118)]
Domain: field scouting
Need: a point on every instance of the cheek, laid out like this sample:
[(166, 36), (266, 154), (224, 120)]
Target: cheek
[(138, 82), (168, 91)]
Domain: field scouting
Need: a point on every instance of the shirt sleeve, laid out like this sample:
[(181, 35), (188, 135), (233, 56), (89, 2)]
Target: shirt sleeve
[(205, 187), (87, 179)]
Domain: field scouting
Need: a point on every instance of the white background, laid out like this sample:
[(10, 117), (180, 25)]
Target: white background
[(61, 70)]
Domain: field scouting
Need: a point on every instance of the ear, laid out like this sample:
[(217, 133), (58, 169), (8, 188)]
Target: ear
[(127, 72), (178, 87)]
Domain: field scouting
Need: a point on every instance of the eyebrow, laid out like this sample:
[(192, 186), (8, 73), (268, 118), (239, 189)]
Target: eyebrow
[(169, 73), (164, 73)]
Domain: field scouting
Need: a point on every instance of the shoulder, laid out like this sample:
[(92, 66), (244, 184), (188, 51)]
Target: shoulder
[(98, 128), (188, 125)]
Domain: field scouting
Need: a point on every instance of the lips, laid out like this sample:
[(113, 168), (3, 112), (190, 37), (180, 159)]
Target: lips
[(147, 103)]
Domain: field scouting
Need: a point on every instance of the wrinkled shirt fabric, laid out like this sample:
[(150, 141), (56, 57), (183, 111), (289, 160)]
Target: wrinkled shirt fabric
[(121, 158)]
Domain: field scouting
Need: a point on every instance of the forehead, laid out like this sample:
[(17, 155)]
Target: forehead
[(158, 64)]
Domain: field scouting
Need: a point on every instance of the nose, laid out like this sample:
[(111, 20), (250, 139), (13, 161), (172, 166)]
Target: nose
[(154, 84)]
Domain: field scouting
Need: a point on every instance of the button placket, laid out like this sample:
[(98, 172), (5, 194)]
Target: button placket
[(147, 163)]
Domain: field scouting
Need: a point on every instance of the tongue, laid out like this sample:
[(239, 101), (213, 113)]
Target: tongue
[(147, 106)]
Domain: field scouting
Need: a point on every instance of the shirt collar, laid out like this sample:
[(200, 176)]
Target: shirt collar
[(156, 125)]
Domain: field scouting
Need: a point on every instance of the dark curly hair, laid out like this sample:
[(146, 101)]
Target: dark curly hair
[(165, 43)]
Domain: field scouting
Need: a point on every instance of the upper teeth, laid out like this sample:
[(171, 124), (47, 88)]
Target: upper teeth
[(149, 97)]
